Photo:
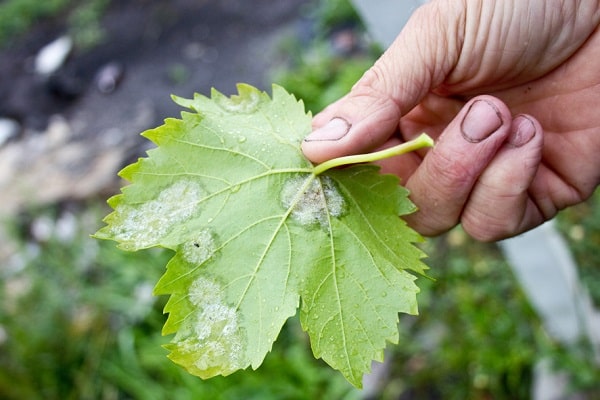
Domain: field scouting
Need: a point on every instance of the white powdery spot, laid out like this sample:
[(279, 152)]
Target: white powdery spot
[(219, 316), (146, 224), (200, 249), (204, 291), (312, 202), (239, 104), (212, 334)]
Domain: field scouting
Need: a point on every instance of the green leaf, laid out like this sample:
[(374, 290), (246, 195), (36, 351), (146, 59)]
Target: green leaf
[(257, 234)]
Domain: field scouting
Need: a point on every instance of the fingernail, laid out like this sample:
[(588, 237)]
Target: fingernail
[(482, 119), (523, 131), (335, 129)]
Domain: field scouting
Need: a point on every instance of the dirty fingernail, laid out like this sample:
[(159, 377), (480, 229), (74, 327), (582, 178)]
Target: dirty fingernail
[(482, 119), (523, 131), (335, 129)]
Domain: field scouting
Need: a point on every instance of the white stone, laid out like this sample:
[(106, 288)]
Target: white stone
[(52, 56), (9, 128)]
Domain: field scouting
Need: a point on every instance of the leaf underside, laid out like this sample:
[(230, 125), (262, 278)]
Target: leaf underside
[(257, 235)]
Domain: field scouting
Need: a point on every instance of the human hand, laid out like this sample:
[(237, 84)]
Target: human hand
[(510, 90)]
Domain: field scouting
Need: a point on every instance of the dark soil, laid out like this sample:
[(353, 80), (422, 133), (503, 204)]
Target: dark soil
[(175, 47)]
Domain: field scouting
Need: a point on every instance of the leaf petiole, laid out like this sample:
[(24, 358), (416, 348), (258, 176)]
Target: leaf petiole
[(423, 140)]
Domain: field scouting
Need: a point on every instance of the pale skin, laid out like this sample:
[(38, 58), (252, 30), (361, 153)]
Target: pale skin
[(509, 90)]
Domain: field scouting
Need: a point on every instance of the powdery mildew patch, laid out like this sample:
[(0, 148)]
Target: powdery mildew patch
[(199, 249), (238, 104), (146, 224), (212, 334), (313, 201)]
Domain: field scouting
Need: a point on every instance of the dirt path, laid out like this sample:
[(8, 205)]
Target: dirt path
[(74, 138)]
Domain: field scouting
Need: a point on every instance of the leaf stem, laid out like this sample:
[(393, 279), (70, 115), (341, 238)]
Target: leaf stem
[(423, 140)]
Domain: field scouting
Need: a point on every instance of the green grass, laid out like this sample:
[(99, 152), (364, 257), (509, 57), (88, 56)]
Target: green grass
[(319, 79), (82, 18), (476, 337), (16, 16), (80, 322)]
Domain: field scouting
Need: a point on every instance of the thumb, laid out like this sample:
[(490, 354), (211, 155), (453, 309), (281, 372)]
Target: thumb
[(419, 60)]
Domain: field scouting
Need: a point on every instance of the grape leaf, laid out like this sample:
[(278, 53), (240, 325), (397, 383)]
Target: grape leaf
[(257, 234)]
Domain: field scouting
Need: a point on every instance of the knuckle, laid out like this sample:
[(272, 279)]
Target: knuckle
[(488, 230), (490, 224), (373, 80), (450, 173)]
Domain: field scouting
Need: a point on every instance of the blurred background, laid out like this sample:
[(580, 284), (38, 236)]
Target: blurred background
[(80, 79)]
